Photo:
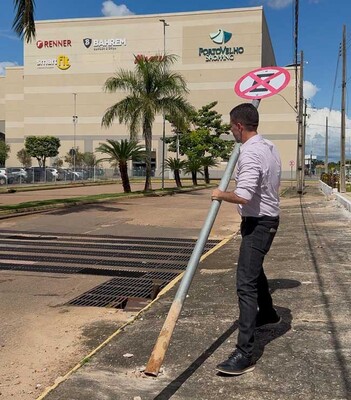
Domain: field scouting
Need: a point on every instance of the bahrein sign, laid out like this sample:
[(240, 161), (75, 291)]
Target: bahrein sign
[(221, 53)]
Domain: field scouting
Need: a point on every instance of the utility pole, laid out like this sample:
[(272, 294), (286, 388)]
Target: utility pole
[(300, 140), (304, 142), (326, 146), (75, 121), (164, 118), (343, 101)]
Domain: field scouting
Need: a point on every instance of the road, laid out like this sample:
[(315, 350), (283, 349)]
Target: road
[(41, 337)]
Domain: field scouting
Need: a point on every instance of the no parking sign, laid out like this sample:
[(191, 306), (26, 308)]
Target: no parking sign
[(262, 82)]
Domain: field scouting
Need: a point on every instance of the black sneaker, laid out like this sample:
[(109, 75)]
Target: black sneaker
[(236, 364), (271, 319)]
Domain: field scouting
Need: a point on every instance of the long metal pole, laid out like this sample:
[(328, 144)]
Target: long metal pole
[(162, 343), (326, 146), (74, 135), (343, 101), (300, 144), (164, 118)]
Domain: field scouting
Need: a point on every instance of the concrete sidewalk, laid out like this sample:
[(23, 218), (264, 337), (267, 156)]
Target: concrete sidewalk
[(307, 357)]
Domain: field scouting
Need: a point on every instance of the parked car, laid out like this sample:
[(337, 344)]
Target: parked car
[(16, 174), (3, 176), (52, 174)]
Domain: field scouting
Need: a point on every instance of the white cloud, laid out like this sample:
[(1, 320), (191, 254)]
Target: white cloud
[(278, 4), (110, 9), (316, 129), (309, 90), (4, 64)]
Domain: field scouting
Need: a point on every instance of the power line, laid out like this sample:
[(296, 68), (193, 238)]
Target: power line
[(336, 75)]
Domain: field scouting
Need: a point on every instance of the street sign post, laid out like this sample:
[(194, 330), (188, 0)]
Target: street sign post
[(291, 163), (262, 83)]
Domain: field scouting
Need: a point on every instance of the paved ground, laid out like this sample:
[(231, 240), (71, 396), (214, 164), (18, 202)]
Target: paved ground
[(41, 337), (307, 357)]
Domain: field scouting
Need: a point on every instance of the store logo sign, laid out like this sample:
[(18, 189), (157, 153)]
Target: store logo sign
[(87, 42), (104, 44), (220, 36), (61, 62), (220, 53), (53, 43)]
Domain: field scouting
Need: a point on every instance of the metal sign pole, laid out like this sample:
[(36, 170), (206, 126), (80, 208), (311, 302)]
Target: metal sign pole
[(162, 343)]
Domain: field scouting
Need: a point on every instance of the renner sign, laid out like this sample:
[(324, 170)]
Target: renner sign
[(54, 43)]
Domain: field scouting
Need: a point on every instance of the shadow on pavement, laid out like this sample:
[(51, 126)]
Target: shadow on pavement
[(263, 337), (173, 386), (86, 207), (310, 227)]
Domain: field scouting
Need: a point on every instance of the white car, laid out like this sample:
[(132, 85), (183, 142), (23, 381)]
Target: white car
[(3, 176)]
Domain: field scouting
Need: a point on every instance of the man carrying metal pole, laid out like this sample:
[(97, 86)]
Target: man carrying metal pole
[(154, 364), (257, 198), (271, 81)]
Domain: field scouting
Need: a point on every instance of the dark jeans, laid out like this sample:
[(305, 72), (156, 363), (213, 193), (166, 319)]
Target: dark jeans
[(252, 286)]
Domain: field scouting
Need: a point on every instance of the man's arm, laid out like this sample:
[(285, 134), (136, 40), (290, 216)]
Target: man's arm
[(230, 197)]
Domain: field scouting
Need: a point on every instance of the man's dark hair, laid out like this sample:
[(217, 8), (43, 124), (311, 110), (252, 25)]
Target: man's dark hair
[(246, 114)]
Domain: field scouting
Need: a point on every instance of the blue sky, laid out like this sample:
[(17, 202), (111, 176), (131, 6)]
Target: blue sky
[(320, 34)]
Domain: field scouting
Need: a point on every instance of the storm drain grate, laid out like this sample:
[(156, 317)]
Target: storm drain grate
[(116, 292), (103, 238), (97, 261), (70, 270)]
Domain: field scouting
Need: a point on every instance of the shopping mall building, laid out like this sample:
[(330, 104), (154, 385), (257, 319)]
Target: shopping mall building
[(66, 66)]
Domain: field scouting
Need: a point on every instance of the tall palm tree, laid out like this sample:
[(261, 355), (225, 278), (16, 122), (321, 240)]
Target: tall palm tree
[(207, 162), (121, 152), (193, 166), (176, 165), (23, 23), (151, 89)]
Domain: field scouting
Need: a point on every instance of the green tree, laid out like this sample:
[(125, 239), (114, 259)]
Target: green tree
[(23, 23), (152, 89), (176, 166), (41, 147), (78, 162), (193, 166), (89, 159), (4, 152), (208, 162), (204, 138), (121, 152), (24, 158), (58, 162)]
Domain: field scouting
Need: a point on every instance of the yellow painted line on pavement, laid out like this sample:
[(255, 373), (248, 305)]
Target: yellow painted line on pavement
[(168, 287)]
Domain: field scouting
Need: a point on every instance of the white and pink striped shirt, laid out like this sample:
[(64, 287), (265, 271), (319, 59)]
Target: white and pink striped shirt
[(258, 178)]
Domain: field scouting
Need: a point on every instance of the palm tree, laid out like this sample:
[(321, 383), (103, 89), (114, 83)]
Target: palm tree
[(207, 162), (193, 166), (23, 23), (120, 152), (151, 89), (175, 165)]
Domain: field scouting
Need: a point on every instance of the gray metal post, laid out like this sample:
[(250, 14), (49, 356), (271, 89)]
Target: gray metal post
[(162, 343)]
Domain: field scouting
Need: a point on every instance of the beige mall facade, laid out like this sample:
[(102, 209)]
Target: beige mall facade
[(66, 66)]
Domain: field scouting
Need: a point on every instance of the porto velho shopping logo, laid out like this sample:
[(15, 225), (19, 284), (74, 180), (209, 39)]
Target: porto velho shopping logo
[(61, 62), (220, 53), (220, 36), (104, 44)]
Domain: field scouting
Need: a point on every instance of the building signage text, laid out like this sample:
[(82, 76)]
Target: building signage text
[(62, 62), (221, 53), (104, 44), (54, 43)]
